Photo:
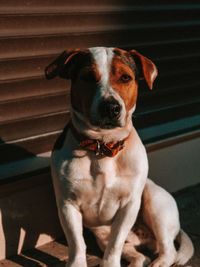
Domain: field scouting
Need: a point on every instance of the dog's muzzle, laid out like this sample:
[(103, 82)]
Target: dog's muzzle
[(109, 111)]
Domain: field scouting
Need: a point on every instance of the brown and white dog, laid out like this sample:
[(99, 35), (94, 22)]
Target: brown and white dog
[(100, 167)]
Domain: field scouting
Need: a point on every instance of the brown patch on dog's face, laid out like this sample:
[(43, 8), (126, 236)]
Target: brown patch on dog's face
[(123, 77)]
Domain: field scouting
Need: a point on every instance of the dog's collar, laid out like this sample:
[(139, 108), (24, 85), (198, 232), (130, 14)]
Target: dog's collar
[(97, 146)]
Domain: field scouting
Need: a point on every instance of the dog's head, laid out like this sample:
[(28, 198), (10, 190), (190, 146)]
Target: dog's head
[(104, 82)]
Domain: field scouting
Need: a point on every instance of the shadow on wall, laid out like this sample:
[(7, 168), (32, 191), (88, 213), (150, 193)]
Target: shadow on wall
[(27, 211)]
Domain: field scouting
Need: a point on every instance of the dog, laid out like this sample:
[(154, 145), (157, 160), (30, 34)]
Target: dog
[(100, 167)]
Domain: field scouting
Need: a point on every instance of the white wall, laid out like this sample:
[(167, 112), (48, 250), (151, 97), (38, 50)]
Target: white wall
[(176, 166)]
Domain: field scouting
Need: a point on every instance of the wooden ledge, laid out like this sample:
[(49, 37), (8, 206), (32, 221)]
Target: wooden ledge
[(53, 254), (175, 140)]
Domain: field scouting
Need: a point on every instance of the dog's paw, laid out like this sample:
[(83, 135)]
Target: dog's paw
[(160, 262), (76, 263), (140, 262), (111, 262)]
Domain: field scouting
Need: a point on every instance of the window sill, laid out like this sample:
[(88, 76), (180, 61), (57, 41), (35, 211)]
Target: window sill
[(154, 138), (12, 170)]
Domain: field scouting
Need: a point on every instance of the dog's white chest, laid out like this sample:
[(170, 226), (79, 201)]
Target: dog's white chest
[(98, 190), (98, 206)]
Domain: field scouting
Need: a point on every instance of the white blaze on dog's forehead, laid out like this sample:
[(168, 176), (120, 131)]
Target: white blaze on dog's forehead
[(103, 57)]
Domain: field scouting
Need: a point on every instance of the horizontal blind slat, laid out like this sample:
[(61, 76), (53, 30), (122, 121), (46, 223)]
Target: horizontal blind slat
[(28, 127), (26, 88), (33, 107)]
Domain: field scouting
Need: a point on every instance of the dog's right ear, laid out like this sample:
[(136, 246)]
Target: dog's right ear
[(146, 67), (61, 65)]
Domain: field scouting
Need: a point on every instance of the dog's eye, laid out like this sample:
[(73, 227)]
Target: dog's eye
[(88, 77), (125, 78)]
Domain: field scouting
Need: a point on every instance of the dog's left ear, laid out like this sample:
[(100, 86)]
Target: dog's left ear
[(147, 69), (61, 65)]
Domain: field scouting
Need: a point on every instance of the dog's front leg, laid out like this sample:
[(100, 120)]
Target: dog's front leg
[(122, 224), (71, 220)]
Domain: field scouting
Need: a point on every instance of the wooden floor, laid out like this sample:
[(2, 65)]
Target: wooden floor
[(54, 253)]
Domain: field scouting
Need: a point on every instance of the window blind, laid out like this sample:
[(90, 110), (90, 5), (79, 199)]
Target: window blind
[(33, 111)]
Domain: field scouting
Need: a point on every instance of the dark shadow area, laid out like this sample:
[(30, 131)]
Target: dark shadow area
[(27, 205), (12, 152), (37, 255), (92, 247), (188, 201), (32, 261)]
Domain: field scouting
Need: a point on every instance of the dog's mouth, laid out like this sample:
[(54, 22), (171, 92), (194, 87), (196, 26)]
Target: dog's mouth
[(106, 124)]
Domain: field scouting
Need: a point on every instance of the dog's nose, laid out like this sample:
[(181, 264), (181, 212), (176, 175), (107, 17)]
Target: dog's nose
[(109, 108)]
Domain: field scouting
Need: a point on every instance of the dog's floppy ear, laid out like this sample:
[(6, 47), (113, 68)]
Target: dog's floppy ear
[(61, 65), (147, 69)]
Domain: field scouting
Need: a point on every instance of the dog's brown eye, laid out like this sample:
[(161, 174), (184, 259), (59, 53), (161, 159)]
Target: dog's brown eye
[(125, 78)]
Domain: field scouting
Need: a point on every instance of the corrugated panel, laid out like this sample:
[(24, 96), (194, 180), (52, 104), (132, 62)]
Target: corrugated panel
[(32, 33)]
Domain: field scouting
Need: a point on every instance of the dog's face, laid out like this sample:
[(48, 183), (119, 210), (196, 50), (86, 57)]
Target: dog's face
[(104, 82)]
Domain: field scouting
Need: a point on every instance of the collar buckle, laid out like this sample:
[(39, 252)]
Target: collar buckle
[(98, 150)]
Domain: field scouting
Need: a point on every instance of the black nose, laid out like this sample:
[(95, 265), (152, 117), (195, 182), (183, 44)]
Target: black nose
[(109, 108)]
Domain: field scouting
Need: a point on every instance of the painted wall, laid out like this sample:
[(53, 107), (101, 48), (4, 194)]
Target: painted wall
[(177, 166)]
